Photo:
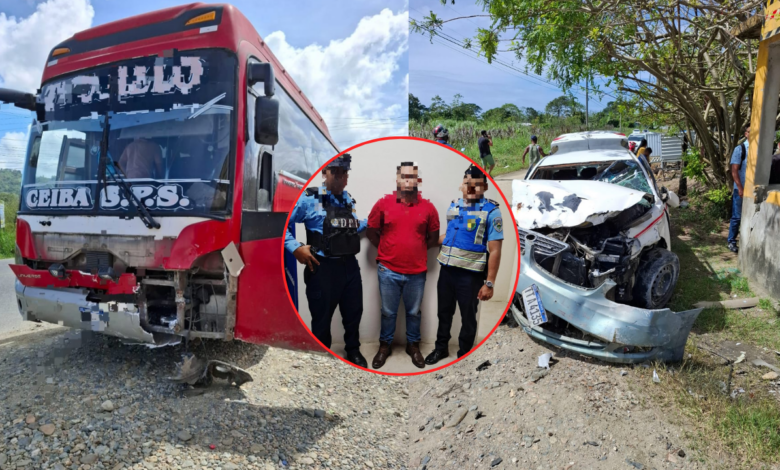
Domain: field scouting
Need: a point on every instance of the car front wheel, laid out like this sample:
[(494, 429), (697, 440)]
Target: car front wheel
[(656, 277)]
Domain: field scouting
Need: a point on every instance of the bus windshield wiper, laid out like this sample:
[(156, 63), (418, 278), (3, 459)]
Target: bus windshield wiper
[(116, 175)]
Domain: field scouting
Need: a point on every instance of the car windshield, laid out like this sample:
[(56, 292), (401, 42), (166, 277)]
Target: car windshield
[(171, 127), (626, 173)]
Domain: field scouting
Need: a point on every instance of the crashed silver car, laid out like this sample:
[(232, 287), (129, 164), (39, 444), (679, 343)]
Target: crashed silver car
[(596, 270)]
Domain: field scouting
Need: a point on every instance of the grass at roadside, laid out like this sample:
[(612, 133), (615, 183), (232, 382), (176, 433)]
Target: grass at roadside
[(7, 243), (509, 139), (729, 404), (506, 152)]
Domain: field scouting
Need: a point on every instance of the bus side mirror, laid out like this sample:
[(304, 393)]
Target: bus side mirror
[(266, 121), (262, 73), (19, 99)]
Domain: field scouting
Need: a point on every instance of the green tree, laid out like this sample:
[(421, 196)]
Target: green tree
[(496, 115), (563, 106), (531, 114), (416, 109), (504, 113), (10, 181), (439, 108), (682, 60), (466, 112)]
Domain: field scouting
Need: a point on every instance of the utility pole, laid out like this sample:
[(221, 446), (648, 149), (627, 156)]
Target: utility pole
[(587, 127)]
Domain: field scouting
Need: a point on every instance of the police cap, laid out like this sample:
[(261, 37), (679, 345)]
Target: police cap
[(342, 161)]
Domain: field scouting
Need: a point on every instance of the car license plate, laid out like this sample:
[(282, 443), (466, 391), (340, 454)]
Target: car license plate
[(534, 309)]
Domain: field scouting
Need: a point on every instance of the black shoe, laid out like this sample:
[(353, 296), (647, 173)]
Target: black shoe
[(733, 247), (436, 356), (357, 359)]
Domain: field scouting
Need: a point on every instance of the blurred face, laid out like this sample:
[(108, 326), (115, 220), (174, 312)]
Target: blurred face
[(473, 189), (747, 132), (407, 180), (335, 179)]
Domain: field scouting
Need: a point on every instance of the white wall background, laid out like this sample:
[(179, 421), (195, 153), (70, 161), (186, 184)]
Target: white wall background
[(373, 176)]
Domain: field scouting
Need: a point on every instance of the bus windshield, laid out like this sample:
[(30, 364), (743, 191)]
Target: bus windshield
[(171, 123)]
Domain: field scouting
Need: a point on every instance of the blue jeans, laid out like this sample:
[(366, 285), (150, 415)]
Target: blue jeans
[(736, 216), (393, 287)]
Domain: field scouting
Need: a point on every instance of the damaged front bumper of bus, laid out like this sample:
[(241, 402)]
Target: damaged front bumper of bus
[(69, 307), (585, 321)]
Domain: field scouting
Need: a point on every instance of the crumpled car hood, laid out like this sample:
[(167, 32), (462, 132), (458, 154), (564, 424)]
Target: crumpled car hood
[(555, 204)]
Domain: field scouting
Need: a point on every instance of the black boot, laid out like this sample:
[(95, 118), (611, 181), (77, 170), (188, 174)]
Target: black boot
[(436, 356), (356, 358)]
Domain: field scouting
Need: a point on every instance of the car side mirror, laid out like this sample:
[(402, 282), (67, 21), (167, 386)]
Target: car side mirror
[(266, 121), (262, 73), (669, 197)]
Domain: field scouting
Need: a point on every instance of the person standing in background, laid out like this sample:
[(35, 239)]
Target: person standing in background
[(484, 143), (403, 226), (441, 135), (738, 166), (535, 151), (641, 149)]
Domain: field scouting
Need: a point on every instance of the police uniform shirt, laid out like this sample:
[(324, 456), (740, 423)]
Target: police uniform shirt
[(470, 252), (309, 211), (495, 229)]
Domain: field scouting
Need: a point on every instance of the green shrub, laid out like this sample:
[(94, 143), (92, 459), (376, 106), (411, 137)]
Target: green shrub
[(694, 167), (719, 201), (7, 243)]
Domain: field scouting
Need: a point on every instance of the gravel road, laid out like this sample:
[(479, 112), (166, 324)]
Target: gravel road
[(81, 400), (581, 415)]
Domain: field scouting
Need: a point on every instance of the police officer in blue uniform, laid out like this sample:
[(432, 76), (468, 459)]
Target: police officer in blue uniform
[(469, 258), (332, 275), (441, 135)]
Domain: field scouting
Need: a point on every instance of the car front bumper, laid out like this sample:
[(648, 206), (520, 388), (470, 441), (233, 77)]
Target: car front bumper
[(618, 329)]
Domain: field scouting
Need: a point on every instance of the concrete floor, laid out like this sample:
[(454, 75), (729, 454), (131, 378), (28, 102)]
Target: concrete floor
[(400, 363)]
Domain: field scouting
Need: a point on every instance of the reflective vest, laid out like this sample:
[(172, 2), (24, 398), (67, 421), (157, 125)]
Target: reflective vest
[(465, 243)]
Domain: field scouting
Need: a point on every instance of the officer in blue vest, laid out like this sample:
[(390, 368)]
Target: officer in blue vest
[(332, 275), (469, 258), (441, 135)]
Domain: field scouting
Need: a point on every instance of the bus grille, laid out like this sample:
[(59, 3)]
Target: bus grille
[(94, 260)]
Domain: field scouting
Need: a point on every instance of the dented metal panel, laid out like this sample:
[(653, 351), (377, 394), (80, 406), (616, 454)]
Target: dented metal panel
[(662, 333), (70, 308), (555, 204)]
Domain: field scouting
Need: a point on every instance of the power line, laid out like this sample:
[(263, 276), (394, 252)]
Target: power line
[(459, 42)]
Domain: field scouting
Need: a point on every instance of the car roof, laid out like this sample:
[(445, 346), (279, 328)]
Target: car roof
[(583, 156), (589, 140)]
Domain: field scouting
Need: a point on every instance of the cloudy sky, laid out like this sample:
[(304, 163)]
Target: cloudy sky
[(349, 57), (445, 69)]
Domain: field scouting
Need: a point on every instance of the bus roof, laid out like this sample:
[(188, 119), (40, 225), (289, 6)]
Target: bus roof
[(158, 31)]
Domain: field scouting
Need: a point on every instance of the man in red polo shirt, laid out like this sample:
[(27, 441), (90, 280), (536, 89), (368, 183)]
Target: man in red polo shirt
[(402, 226)]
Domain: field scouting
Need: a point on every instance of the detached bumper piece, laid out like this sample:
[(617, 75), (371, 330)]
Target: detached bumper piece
[(70, 307), (620, 333), (201, 372)]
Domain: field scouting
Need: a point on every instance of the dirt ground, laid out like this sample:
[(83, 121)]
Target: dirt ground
[(585, 414), (77, 400), (582, 415)]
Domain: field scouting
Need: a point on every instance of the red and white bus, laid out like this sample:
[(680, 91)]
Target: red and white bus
[(166, 152)]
